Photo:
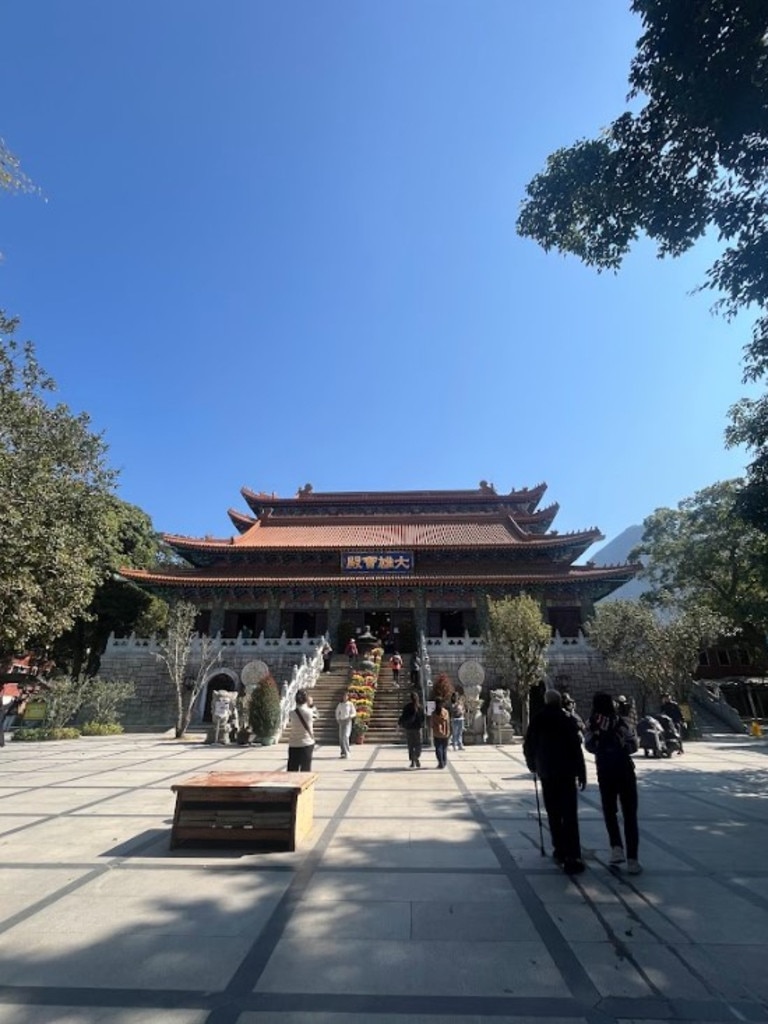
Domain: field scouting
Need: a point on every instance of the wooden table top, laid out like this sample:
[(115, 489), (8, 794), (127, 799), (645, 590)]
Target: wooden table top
[(248, 780)]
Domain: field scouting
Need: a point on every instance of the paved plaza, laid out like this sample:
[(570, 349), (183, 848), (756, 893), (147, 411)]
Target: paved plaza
[(419, 895)]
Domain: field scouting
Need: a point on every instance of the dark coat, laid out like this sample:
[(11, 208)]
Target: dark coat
[(411, 717), (612, 740), (552, 746)]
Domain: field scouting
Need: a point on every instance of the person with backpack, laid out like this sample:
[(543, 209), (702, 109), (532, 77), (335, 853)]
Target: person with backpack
[(612, 740), (440, 724), (396, 663), (411, 721)]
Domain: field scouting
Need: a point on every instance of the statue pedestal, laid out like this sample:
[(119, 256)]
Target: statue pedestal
[(501, 734)]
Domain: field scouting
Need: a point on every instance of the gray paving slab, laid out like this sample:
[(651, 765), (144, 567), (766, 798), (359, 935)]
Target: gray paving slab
[(379, 967), (417, 896)]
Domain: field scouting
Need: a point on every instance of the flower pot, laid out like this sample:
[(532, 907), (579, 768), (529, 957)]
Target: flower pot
[(359, 738), (267, 741)]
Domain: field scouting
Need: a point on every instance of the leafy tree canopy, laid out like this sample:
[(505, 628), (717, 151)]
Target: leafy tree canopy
[(691, 154), (57, 508), (517, 641), (660, 654), (702, 555), (118, 606)]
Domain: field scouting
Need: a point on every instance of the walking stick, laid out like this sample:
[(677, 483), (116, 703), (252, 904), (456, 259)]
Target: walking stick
[(538, 813)]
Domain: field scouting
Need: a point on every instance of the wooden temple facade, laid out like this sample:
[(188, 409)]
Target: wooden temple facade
[(403, 564)]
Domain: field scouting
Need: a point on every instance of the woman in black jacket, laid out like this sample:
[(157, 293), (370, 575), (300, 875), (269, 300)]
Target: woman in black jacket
[(612, 740), (411, 720)]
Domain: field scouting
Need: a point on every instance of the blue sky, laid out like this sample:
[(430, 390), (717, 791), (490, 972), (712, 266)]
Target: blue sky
[(277, 246)]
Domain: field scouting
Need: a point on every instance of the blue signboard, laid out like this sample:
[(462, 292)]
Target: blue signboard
[(369, 561)]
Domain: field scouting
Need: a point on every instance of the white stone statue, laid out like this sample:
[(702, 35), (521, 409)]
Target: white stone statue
[(223, 711), (499, 709)]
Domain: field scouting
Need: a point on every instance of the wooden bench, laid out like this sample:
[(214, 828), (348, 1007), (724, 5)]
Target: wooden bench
[(251, 807)]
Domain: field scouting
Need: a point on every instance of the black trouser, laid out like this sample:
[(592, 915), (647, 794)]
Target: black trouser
[(414, 744), (620, 787), (300, 758), (562, 805)]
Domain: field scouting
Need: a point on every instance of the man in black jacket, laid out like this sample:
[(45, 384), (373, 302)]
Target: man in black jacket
[(552, 750)]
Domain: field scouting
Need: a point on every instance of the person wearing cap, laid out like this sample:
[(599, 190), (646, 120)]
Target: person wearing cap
[(552, 751), (569, 706)]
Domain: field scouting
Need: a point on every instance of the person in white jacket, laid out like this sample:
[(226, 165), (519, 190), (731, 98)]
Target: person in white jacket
[(345, 712)]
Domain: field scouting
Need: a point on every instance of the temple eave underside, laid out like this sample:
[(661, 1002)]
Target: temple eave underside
[(593, 586)]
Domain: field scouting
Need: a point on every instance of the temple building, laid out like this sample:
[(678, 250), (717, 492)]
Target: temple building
[(405, 564)]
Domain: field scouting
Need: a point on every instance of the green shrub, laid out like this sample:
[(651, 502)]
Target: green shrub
[(101, 700), (100, 729), (63, 699), (41, 734), (264, 709)]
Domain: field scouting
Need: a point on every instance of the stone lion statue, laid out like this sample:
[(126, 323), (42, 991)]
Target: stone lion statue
[(499, 708), (224, 716)]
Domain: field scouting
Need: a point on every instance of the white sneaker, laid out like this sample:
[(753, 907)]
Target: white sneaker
[(617, 855), (634, 868)]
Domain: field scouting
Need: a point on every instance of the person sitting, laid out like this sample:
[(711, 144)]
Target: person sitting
[(651, 736)]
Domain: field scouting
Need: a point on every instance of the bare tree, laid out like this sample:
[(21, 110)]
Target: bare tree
[(188, 659)]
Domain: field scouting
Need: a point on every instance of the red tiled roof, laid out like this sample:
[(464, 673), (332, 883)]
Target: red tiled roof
[(416, 533)]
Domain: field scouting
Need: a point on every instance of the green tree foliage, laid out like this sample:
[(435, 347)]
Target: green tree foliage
[(57, 502), (188, 659), (660, 653), (102, 699), (516, 642), (264, 709), (63, 699), (691, 155), (118, 605), (702, 555)]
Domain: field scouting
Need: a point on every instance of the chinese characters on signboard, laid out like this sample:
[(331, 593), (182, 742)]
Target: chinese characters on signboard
[(392, 561)]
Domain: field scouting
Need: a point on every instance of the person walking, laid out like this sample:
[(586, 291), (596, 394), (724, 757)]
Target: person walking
[(440, 724), (552, 751), (345, 713), (612, 740), (351, 651), (411, 720), (457, 712), (669, 706), (327, 653), (301, 735), (396, 663)]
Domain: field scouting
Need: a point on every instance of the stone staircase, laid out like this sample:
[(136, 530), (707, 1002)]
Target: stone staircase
[(326, 695), (386, 709), (386, 706)]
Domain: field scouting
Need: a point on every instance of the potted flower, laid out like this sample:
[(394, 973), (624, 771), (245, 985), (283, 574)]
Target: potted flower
[(264, 711), (359, 729)]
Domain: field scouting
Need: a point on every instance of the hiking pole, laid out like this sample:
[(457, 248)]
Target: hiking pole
[(538, 814)]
